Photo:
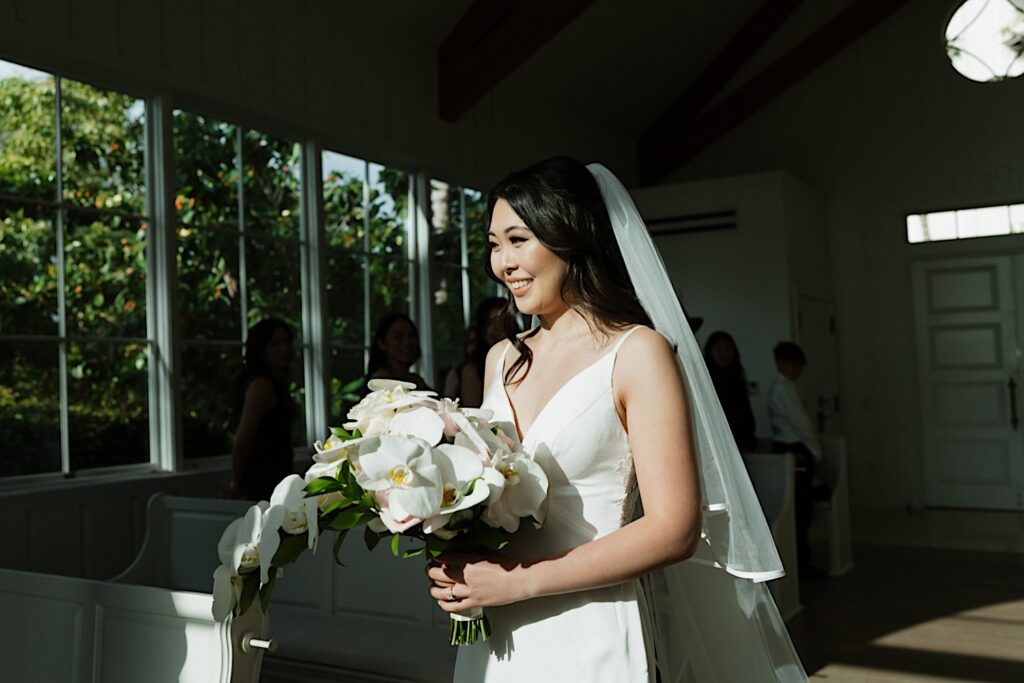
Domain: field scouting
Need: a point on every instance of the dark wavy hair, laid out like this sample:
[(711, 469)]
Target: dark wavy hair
[(560, 202), (736, 369), (378, 357)]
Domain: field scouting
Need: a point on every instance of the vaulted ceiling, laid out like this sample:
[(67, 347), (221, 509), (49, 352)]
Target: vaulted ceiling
[(671, 75)]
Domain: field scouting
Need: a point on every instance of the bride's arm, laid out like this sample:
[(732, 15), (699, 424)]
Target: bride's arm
[(650, 393)]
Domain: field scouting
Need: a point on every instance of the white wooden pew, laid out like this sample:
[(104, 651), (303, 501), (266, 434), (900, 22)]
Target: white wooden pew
[(772, 477), (833, 471), (370, 620), (59, 628)]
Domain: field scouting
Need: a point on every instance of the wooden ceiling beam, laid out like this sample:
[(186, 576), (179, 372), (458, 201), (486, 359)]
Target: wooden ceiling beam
[(677, 145), (726, 64), (490, 41)]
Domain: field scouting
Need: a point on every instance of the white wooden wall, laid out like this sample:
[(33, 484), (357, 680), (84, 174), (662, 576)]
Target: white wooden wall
[(359, 76), (88, 529)]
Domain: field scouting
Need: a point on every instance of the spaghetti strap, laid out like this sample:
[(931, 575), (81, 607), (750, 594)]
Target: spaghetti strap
[(623, 338)]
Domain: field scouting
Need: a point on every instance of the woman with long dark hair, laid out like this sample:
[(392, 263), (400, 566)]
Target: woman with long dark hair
[(396, 347), (722, 357), (601, 592), (262, 454)]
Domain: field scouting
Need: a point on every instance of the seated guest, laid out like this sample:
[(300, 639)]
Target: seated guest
[(793, 432)]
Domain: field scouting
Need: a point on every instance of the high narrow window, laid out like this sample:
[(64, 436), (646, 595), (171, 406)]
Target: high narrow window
[(961, 224)]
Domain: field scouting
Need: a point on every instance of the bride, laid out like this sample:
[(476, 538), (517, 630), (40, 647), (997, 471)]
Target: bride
[(651, 560)]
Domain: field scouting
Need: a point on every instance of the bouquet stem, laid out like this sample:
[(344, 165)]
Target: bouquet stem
[(465, 628)]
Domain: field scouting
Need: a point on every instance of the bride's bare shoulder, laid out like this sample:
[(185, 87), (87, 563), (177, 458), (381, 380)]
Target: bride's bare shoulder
[(645, 353)]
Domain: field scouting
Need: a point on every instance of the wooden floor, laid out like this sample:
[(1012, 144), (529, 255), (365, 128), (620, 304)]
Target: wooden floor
[(915, 614)]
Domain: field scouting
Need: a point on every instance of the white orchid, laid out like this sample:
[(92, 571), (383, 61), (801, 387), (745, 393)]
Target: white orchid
[(460, 470), (247, 544), (523, 493), (372, 416), (420, 422), (402, 470), (299, 512)]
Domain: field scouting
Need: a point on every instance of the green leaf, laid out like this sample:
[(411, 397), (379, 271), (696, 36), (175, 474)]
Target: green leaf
[(394, 544), (250, 587), (334, 505), (413, 553), (370, 537), (267, 589), (344, 434), (290, 549), (322, 485), (337, 546), (349, 518)]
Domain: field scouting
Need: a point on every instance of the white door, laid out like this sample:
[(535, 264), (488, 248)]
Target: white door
[(819, 385), (968, 375)]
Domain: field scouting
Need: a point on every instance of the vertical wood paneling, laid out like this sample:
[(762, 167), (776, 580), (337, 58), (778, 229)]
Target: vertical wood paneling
[(183, 41), (289, 81), (93, 28), (256, 21), (140, 34), (321, 72), (222, 46)]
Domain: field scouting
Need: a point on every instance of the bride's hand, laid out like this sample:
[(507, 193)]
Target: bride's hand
[(463, 582)]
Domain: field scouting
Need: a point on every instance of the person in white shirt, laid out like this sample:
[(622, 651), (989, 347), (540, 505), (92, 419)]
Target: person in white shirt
[(793, 432)]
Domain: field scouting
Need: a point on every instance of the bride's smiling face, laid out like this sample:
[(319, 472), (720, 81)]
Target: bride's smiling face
[(532, 272)]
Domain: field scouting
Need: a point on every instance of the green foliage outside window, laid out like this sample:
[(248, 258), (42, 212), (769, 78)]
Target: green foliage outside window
[(238, 248), (104, 244)]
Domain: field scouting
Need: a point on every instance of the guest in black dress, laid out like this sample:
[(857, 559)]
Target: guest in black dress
[(262, 455), (730, 379)]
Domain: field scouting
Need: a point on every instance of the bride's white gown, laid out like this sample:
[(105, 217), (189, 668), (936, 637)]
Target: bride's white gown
[(611, 634), (594, 635)]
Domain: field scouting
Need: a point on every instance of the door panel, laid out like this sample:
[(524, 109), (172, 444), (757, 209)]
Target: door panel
[(967, 338)]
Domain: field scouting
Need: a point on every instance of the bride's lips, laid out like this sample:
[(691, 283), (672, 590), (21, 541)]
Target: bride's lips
[(518, 289)]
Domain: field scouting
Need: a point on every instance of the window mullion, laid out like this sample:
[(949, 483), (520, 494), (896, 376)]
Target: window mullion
[(367, 313), (316, 343), (166, 436), (467, 311), (62, 324), (243, 279), (425, 317)]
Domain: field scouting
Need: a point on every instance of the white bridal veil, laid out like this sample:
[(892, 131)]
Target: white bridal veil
[(713, 617)]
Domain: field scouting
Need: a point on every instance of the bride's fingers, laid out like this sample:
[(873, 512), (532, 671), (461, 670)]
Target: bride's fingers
[(445, 575), (450, 598)]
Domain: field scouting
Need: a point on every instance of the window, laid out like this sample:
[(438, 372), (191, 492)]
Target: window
[(74, 387), (237, 199), (369, 263), (458, 245), (78, 327), (965, 223)]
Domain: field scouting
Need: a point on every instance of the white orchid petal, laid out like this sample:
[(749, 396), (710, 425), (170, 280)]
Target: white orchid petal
[(464, 464), (432, 525), (419, 501), (423, 423), (223, 593)]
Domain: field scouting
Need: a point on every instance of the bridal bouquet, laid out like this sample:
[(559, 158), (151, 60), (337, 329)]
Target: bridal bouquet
[(406, 464)]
